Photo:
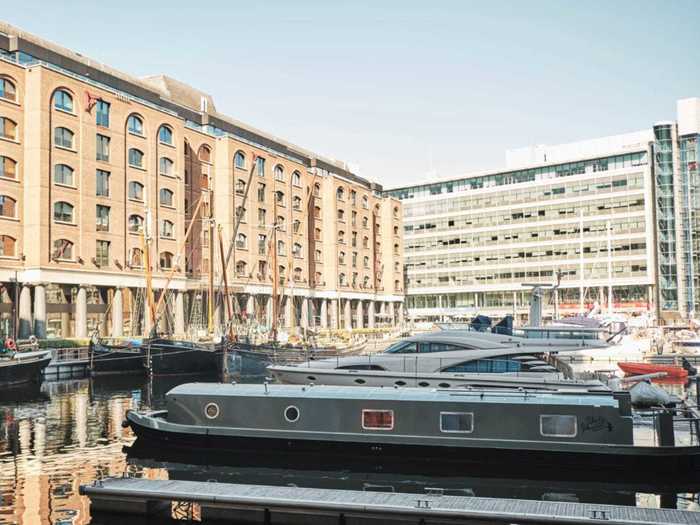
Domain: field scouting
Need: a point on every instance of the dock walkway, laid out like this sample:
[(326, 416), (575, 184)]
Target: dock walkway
[(276, 505)]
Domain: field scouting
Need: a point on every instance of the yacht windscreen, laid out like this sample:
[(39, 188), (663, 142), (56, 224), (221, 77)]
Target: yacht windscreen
[(402, 347)]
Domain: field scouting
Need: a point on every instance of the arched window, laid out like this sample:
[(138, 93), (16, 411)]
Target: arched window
[(318, 279), (63, 174), (240, 187), (281, 248), (318, 256), (63, 100), (279, 173), (135, 223), (396, 249), (340, 193), (317, 190), (135, 158), (8, 206), (240, 213), (365, 242), (341, 257), (281, 272), (62, 250), (8, 91), (279, 198), (166, 197), (63, 137), (396, 230), (167, 167), (167, 229), (342, 280), (317, 212), (296, 202), (281, 223), (396, 212), (204, 153), (317, 234), (7, 246), (365, 222), (134, 125), (136, 191), (241, 241), (341, 236), (8, 167), (296, 250), (136, 258), (239, 160), (365, 202), (241, 268), (365, 282), (166, 260), (353, 197), (62, 212), (297, 274), (296, 178), (365, 261), (296, 225), (397, 285), (165, 135), (341, 215)]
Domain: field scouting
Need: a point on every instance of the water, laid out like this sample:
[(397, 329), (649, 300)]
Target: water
[(66, 433)]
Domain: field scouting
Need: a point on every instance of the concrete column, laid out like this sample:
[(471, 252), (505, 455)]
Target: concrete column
[(334, 313), (40, 311), (360, 315), (117, 313), (391, 314), (180, 312), (324, 313), (25, 312), (81, 312), (347, 314), (370, 314), (250, 307), (305, 312)]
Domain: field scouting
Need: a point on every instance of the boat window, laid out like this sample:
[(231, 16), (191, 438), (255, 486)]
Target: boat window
[(360, 381), (402, 347), (211, 410), (444, 385), (558, 426), (311, 378), (462, 422), (291, 414), (377, 419), (423, 383), (400, 383), (361, 367), (486, 366), (441, 347)]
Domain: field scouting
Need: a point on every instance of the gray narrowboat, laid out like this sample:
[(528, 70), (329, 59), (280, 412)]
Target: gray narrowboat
[(574, 429)]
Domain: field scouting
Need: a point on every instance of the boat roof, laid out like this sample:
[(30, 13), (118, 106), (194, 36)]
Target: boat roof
[(486, 341), (392, 394)]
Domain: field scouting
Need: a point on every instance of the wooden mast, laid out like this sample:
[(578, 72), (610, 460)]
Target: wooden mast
[(145, 245), (227, 297), (275, 270)]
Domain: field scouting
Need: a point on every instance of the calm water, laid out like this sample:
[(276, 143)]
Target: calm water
[(68, 432)]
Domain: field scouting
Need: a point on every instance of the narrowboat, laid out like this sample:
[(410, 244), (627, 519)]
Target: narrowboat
[(577, 430)]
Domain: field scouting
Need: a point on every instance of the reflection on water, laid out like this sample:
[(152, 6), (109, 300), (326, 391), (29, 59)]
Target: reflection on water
[(68, 433)]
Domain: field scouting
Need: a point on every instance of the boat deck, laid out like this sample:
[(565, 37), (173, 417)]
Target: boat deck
[(274, 504)]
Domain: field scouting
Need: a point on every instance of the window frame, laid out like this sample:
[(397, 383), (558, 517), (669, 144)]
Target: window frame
[(102, 110), (160, 135), (64, 168), (378, 410), (130, 161), (7, 160), (137, 118), (471, 417), (543, 434), (63, 131), (62, 108), (72, 213), (3, 92), (166, 191)]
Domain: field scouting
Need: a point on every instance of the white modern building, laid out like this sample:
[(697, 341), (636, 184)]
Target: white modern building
[(610, 220)]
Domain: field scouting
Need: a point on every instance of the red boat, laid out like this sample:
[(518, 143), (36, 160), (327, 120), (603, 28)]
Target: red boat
[(638, 369)]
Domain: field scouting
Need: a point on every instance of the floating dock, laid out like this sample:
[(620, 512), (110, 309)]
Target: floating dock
[(268, 505)]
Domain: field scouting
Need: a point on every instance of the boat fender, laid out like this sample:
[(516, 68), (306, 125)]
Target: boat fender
[(10, 344), (125, 423), (32, 340)]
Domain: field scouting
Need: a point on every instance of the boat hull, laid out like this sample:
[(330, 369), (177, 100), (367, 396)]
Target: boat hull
[(671, 371), (23, 371), (153, 430), (166, 357), (116, 361)]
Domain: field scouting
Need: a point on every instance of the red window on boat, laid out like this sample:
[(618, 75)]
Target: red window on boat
[(378, 419)]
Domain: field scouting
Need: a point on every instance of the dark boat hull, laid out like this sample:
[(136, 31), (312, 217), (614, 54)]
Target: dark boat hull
[(116, 360), (681, 463), (165, 357), (23, 372)]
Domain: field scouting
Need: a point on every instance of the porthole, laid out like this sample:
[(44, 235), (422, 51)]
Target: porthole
[(291, 414), (211, 410), (400, 383), (423, 383), (360, 381), (311, 378), (444, 385)]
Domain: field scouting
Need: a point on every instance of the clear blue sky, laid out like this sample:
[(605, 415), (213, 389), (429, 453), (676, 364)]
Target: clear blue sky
[(390, 85)]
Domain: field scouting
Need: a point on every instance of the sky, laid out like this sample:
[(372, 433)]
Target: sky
[(403, 90)]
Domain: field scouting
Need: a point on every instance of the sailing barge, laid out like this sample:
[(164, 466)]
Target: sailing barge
[(512, 429)]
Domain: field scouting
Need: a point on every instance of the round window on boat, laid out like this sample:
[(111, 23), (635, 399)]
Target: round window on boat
[(211, 410), (400, 383), (311, 378), (423, 383), (291, 414), (444, 385), (360, 381)]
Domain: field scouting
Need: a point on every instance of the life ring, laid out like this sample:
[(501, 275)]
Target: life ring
[(32, 340), (10, 344)]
